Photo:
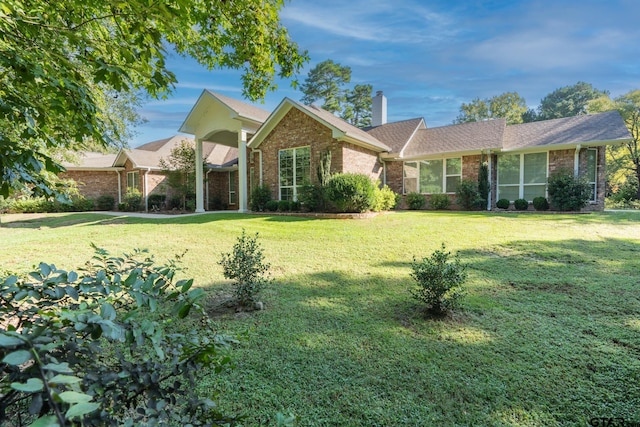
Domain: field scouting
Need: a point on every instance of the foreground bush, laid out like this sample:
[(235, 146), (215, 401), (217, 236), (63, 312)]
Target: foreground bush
[(351, 192), (246, 267), (568, 193), (101, 347), (439, 281)]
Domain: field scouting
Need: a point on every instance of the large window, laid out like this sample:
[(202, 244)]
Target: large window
[(295, 168), (592, 172), (133, 179), (522, 176), (432, 176), (233, 177)]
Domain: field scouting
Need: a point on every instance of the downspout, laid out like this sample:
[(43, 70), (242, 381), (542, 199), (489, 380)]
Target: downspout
[(119, 187), (206, 190), (146, 190), (490, 167), (576, 161)]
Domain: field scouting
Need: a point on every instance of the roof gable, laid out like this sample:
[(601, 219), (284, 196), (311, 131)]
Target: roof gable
[(397, 134), (341, 130)]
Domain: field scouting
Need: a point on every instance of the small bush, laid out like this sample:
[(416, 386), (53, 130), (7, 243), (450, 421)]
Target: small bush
[(439, 281), (626, 192), (483, 185), (246, 267), (415, 200), (312, 197), (272, 205), (503, 204), (540, 203), (439, 201), (568, 193), (384, 199), (351, 192), (294, 206), (284, 205), (105, 202), (260, 196), (132, 200), (175, 202), (467, 196), (157, 201), (521, 204)]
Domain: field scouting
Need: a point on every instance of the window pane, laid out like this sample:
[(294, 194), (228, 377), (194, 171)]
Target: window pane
[(286, 167), (535, 168), (454, 166), (509, 192), (431, 176), (303, 165), (410, 177), (591, 165), (509, 169), (286, 193), (533, 191), (452, 183)]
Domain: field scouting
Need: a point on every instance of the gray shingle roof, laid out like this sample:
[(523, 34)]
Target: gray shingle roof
[(242, 108), (91, 160), (464, 137), (397, 134), (590, 128)]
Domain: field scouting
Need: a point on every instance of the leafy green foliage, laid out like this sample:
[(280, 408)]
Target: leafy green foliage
[(439, 201), (568, 193), (503, 204), (509, 106), (180, 169), (415, 200), (272, 205), (324, 82), (483, 185), (105, 202), (467, 196), (64, 62), (521, 204), (324, 168), (541, 203), (132, 200), (384, 199), (439, 280), (260, 196), (312, 197), (284, 205), (351, 192), (76, 203), (568, 101), (100, 347), (357, 110), (246, 267)]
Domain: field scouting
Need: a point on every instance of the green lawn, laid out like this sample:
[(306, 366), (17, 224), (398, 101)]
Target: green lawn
[(548, 335)]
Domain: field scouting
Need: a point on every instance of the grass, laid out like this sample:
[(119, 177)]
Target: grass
[(548, 335)]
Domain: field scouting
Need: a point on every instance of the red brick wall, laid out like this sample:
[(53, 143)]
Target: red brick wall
[(394, 175), (219, 191), (93, 184), (357, 159)]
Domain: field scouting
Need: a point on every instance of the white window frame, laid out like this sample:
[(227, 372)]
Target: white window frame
[(593, 183), (233, 177), (295, 179), (134, 177), (444, 174), (521, 185)]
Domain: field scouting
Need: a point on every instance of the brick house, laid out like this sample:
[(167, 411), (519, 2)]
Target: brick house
[(244, 146)]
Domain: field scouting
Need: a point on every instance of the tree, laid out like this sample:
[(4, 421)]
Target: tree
[(324, 82), (180, 168), (568, 101), (60, 61), (357, 110), (509, 105), (624, 158)]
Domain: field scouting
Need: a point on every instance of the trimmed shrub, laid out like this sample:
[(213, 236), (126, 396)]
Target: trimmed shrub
[(521, 204), (540, 203), (312, 197), (467, 195), (483, 185), (415, 200), (294, 206), (259, 198), (503, 204), (568, 193), (439, 281), (271, 205), (384, 199), (351, 192), (284, 205), (132, 200), (439, 201), (246, 267), (105, 202)]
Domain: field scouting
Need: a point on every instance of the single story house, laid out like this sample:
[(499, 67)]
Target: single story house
[(282, 149)]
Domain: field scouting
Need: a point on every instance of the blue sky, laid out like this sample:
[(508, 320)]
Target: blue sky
[(431, 56)]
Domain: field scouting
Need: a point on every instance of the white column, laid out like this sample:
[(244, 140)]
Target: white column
[(199, 177), (242, 171), (490, 178)]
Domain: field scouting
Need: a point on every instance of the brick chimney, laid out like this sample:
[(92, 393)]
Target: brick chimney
[(379, 109)]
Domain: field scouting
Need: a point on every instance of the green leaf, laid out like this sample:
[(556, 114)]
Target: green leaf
[(186, 284), (46, 421), (31, 386), (107, 311), (75, 397), (18, 357), (61, 368), (81, 409), (45, 269), (9, 341), (64, 379), (184, 311)]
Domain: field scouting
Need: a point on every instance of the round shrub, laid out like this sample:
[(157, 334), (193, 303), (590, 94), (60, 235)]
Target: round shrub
[(385, 199), (105, 202), (260, 196), (540, 204), (467, 195), (439, 201), (568, 193), (503, 204), (521, 204), (351, 192), (284, 205), (272, 205), (415, 200)]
